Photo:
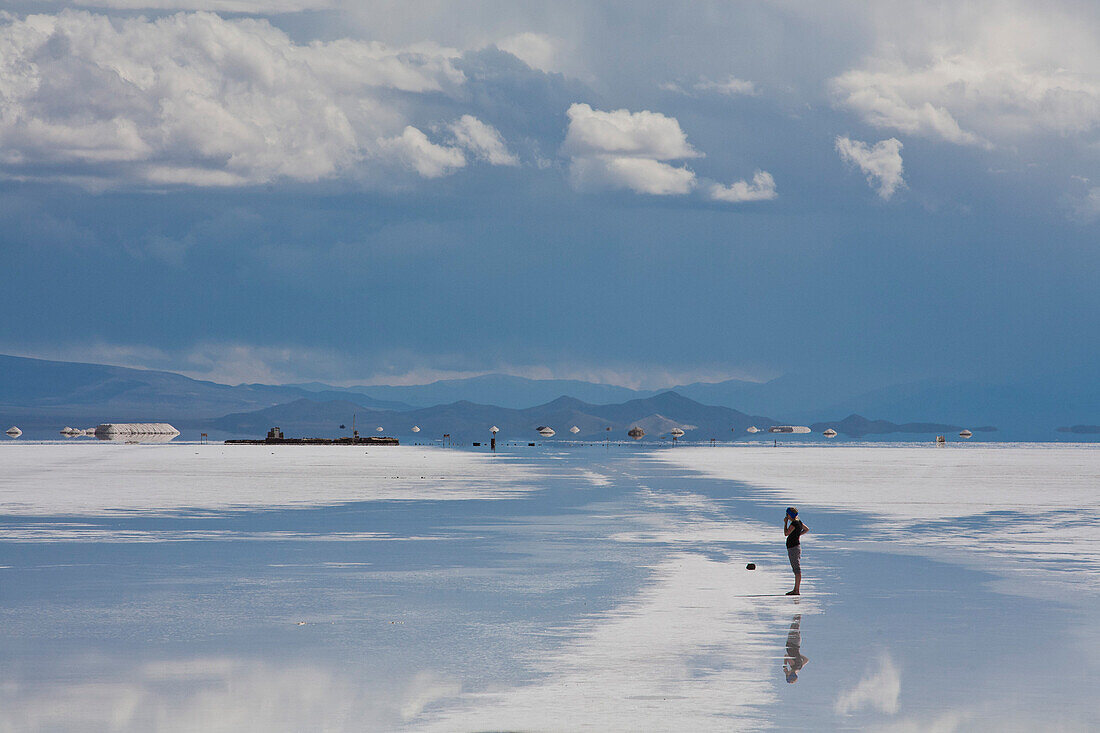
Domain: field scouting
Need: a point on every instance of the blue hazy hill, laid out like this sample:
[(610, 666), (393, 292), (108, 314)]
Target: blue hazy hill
[(37, 392), (497, 389), (33, 390), (466, 420)]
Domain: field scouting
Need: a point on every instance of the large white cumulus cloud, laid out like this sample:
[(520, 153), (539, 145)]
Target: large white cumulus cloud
[(641, 175), (624, 149), (622, 132), (196, 99)]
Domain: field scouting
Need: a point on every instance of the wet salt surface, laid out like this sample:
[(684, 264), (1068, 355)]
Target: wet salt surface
[(1027, 510), (141, 589), (111, 479)]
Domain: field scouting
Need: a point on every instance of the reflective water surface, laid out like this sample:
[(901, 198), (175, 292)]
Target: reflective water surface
[(184, 587)]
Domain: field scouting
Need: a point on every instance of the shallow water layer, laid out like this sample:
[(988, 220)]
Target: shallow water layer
[(185, 587)]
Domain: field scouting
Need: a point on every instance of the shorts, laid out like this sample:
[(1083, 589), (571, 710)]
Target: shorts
[(795, 555)]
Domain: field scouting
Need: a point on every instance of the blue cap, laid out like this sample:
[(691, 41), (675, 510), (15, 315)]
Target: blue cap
[(792, 512)]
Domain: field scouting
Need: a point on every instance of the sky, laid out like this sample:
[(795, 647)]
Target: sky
[(641, 193)]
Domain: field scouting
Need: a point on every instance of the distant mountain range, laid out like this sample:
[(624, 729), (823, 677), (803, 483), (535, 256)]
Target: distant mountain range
[(471, 421), (41, 394), (467, 421), (495, 389), (788, 395), (1030, 409)]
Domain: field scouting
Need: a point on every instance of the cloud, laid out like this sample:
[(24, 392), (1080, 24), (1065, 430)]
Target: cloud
[(223, 362), (621, 132), (881, 163), (194, 99), (903, 100), (732, 86), (878, 690), (641, 175), (483, 140), (624, 149), (534, 49), (418, 152), (229, 362), (762, 188), (997, 77), (1084, 207), (264, 7)]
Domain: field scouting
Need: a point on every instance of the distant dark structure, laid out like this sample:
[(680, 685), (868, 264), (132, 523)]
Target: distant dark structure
[(275, 437)]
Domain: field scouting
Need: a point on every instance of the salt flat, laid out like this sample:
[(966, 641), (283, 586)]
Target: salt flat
[(912, 482), (1019, 507), (101, 479), (184, 587)]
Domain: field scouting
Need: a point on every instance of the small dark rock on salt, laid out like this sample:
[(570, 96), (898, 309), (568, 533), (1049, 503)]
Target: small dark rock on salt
[(751, 566)]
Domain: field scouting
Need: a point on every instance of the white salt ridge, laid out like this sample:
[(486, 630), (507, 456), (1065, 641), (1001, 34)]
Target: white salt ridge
[(1032, 503), (105, 479)]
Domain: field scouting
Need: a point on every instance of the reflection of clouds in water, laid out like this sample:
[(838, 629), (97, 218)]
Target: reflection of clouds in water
[(877, 690), (948, 722), (992, 716), (685, 517), (425, 689), (1033, 545), (104, 479), (921, 498), (70, 532), (692, 651), (219, 694), (595, 479)]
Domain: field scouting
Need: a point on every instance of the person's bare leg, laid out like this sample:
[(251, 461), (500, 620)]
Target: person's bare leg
[(795, 554)]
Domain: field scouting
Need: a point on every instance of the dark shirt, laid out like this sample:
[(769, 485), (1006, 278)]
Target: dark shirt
[(792, 538)]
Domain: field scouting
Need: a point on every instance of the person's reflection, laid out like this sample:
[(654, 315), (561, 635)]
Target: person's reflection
[(793, 662)]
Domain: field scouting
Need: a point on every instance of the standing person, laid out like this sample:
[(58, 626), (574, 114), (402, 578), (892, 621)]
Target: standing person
[(793, 528)]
